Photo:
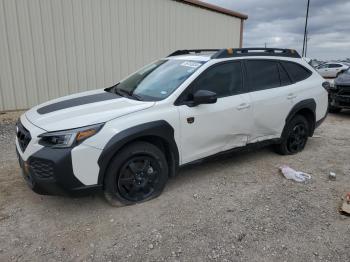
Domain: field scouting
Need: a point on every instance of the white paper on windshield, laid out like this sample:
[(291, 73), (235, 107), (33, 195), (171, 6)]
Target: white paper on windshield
[(191, 64)]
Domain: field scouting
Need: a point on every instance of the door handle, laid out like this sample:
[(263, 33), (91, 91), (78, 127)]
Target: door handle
[(291, 96), (243, 106)]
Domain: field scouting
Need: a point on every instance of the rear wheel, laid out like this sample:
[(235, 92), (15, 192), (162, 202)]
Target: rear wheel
[(295, 136), (136, 174)]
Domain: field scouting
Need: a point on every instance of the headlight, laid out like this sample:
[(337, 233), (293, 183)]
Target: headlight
[(68, 138)]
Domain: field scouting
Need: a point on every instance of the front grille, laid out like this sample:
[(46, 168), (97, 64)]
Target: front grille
[(23, 136), (42, 168)]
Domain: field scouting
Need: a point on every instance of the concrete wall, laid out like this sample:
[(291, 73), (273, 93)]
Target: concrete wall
[(51, 48)]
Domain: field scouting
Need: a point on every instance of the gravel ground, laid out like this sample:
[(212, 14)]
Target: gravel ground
[(234, 208)]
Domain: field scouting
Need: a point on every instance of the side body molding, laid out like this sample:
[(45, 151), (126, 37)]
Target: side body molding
[(307, 106), (153, 132)]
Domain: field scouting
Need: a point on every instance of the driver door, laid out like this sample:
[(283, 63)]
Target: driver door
[(208, 129)]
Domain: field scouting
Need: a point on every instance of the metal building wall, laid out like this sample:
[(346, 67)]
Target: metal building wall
[(50, 48)]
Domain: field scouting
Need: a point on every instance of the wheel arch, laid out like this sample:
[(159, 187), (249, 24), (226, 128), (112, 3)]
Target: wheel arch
[(306, 108), (160, 133)]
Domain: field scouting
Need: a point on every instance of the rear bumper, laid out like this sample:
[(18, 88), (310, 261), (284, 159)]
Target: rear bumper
[(49, 172)]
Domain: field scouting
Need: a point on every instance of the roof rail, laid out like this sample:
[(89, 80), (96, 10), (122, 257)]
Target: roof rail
[(195, 51), (255, 51)]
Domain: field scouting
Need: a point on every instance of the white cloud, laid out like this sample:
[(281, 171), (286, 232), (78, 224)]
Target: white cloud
[(281, 24)]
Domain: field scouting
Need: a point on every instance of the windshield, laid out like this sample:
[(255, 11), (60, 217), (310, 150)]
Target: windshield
[(158, 80)]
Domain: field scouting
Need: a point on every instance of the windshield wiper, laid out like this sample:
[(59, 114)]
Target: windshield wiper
[(125, 93), (121, 92), (137, 97)]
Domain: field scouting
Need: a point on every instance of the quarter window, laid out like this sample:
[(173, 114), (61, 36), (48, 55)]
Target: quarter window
[(262, 74), (296, 71)]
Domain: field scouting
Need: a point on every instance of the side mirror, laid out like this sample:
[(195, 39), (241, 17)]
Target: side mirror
[(204, 97)]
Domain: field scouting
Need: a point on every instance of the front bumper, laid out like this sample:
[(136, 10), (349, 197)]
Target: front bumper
[(341, 101), (49, 172), (340, 97)]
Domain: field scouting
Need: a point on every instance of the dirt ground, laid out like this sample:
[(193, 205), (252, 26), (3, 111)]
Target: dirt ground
[(235, 208)]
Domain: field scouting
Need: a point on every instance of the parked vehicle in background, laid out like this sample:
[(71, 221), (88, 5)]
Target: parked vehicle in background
[(315, 63), (129, 138), (331, 69), (339, 93)]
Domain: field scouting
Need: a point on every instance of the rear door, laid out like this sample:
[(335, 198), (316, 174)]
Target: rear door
[(211, 128), (272, 97)]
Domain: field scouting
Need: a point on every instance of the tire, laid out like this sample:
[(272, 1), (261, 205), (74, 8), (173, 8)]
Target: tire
[(294, 136), (333, 109), (137, 173)]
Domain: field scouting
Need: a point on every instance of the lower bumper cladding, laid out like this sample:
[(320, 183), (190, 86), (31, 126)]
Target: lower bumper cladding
[(49, 172)]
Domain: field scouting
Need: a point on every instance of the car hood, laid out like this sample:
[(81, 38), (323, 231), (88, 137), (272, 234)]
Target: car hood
[(343, 79), (83, 109)]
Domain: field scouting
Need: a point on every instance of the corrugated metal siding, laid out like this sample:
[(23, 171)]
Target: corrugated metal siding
[(50, 48)]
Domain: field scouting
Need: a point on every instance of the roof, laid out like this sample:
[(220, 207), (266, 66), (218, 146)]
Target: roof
[(214, 8)]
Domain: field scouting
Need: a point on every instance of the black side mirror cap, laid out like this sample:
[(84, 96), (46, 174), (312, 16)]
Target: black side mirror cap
[(203, 97)]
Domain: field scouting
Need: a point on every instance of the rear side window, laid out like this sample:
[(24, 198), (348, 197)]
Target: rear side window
[(285, 80), (223, 79), (296, 71), (334, 66), (263, 74)]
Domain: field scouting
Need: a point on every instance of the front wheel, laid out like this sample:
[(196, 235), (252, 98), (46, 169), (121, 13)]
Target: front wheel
[(295, 136), (136, 174)]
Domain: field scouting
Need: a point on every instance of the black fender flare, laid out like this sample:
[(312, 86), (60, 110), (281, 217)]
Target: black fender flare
[(159, 129), (308, 104)]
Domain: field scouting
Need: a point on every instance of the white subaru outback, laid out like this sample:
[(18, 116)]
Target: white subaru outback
[(128, 139)]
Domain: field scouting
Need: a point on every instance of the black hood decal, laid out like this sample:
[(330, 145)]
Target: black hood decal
[(77, 102)]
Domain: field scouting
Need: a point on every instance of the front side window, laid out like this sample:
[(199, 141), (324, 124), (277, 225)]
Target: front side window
[(158, 80), (262, 74), (223, 79), (322, 66)]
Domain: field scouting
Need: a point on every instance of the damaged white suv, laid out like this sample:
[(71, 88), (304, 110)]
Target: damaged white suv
[(128, 139)]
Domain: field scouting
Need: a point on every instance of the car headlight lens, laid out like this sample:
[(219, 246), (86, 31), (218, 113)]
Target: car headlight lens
[(68, 138)]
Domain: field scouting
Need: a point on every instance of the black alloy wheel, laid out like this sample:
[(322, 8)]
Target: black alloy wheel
[(297, 138), (137, 173), (294, 136), (138, 178)]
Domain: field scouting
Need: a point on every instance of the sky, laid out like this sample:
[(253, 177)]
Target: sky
[(280, 23)]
